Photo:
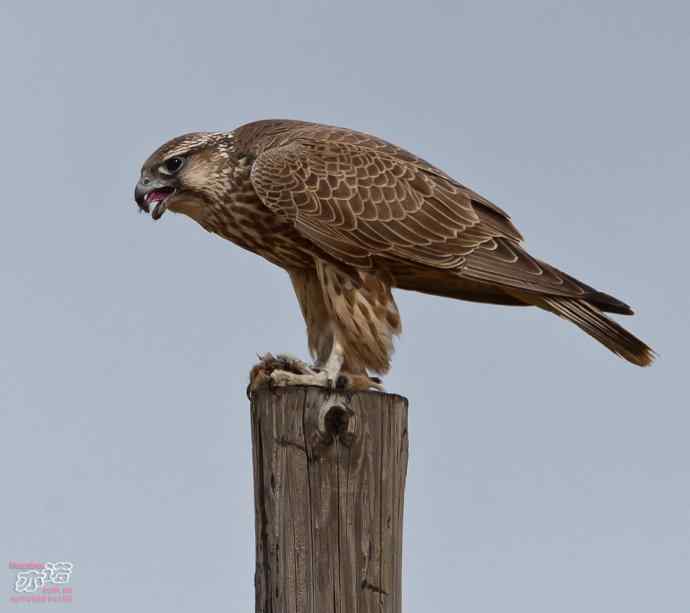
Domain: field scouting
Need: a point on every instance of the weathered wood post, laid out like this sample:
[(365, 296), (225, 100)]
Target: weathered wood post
[(329, 482)]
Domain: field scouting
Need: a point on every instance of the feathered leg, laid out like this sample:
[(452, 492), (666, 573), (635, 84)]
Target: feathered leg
[(332, 367)]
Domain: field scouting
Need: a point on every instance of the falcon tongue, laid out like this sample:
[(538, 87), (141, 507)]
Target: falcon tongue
[(156, 199)]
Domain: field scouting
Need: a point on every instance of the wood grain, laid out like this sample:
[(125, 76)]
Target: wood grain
[(329, 481)]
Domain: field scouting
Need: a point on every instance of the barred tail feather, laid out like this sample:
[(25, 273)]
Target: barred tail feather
[(591, 320)]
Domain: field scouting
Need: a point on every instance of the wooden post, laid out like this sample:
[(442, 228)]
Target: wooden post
[(329, 481)]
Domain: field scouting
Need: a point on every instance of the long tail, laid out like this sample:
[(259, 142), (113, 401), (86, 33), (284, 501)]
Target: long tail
[(591, 320)]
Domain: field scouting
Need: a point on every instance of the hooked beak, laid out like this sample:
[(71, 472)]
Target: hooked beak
[(152, 195)]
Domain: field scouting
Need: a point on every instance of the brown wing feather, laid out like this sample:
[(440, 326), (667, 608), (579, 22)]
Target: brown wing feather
[(372, 202), (361, 200)]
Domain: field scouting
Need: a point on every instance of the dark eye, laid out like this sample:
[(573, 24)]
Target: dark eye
[(172, 165)]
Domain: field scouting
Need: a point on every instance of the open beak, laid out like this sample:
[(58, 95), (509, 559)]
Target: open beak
[(151, 196)]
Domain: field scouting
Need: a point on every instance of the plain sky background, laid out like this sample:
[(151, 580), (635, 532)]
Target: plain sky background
[(545, 473)]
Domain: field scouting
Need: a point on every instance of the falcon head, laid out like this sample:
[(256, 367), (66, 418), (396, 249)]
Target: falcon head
[(185, 174)]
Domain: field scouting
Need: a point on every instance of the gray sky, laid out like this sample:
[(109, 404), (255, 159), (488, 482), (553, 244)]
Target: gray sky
[(545, 474)]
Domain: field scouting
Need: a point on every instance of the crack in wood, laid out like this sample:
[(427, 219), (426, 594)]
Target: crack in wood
[(374, 588)]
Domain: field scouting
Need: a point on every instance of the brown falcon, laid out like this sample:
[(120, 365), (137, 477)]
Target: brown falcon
[(350, 216)]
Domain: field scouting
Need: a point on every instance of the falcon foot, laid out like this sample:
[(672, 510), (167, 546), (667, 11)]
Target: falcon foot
[(283, 370)]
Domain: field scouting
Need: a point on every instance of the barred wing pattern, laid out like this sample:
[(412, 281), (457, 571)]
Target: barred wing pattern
[(364, 201)]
